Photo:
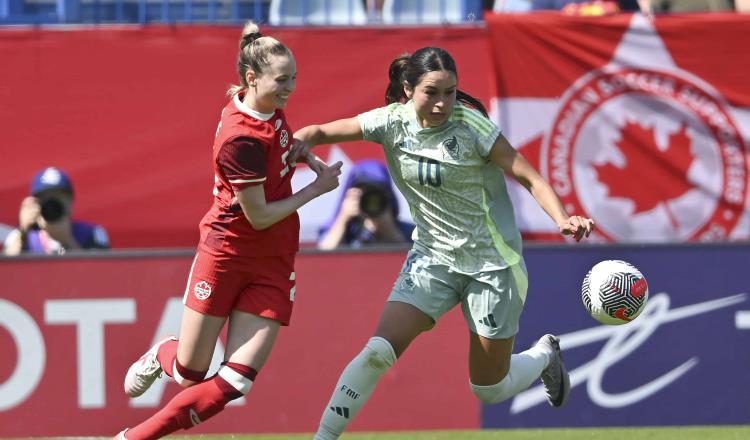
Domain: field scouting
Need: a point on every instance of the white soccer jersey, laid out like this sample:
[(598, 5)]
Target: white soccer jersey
[(457, 197)]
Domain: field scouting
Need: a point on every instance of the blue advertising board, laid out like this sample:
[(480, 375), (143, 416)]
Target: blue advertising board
[(684, 361)]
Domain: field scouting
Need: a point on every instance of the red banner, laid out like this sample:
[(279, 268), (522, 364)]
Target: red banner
[(130, 113), (69, 329), (641, 124)]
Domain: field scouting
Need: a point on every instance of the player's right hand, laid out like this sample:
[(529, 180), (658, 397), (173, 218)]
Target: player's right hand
[(577, 226), (328, 179)]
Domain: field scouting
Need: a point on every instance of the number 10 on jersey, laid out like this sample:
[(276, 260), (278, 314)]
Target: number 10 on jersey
[(429, 172)]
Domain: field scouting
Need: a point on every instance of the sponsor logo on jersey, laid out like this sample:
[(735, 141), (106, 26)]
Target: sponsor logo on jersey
[(277, 125), (284, 138), (202, 290)]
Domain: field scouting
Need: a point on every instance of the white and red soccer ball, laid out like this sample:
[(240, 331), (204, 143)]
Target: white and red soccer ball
[(614, 292)]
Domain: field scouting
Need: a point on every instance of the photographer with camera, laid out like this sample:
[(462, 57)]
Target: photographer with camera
[(367, 213), (45, 225)]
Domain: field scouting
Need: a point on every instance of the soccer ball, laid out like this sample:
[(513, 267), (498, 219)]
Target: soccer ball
[(614, 292)]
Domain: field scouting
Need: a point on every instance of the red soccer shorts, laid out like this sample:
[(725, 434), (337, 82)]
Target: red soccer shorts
[(263, 286)]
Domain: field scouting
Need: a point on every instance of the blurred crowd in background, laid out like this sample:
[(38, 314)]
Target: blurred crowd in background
[(328, 12)]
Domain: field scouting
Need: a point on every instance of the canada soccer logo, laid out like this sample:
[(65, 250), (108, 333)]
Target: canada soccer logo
[(284, 138), (202, 290), (651, 154), (670, 142)]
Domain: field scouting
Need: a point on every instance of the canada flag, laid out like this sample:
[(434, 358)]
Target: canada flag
[(640, 123)]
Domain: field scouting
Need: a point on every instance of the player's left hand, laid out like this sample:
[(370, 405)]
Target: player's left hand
[(577, 226), (299, 151), (315, 163)]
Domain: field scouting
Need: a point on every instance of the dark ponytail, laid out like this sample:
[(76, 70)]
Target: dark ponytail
[(411, 69), (471, 101), (395, 90)]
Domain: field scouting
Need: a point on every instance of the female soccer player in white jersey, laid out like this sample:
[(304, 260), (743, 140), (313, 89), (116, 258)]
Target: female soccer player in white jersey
[(243, 272), (448, 158)]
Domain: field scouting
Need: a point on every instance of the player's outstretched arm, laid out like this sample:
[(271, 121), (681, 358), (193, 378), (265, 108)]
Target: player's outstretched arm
[(342, 130), (513, 163)]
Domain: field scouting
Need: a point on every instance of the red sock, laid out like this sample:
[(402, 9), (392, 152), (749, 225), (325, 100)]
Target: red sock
[(166, 355), (194, 405), (190, 407)]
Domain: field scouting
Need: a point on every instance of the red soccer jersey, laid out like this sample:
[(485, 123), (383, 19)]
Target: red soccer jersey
[(250, 149)]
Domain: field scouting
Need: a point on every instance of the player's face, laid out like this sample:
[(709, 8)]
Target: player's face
[(434, 97), (275, 84)]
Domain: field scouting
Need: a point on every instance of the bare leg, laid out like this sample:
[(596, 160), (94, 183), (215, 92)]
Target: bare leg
[(198, 336), (250, 339), (401, 323)]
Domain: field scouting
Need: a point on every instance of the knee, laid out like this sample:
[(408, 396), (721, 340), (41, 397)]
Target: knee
[(490, 393), (380, 354), (236, 379), (186, 377)]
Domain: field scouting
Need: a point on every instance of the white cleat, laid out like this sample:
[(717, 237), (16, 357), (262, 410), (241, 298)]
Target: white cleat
[(144, 371), (555, 376)]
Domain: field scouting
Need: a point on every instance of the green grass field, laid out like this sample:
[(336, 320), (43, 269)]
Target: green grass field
[(668, 433)]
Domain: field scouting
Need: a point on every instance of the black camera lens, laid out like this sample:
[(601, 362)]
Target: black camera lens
[(374, 200), (52, 210)]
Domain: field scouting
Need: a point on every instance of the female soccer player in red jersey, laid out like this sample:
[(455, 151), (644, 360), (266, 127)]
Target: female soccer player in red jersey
[(243, 271)]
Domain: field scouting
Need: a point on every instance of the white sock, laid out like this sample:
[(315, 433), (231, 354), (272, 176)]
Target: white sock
[(525, 368), (355, 386)]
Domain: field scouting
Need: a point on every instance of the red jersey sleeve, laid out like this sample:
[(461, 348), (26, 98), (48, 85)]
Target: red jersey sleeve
[(243, 162)]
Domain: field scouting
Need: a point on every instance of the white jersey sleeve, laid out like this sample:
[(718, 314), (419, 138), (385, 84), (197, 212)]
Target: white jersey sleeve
[(375, 124)]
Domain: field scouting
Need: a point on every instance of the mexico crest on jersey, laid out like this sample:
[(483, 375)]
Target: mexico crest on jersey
[(450, 147)]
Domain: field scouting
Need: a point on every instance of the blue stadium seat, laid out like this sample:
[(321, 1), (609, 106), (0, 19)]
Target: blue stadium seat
[(512, 6), (132, 11), (431, 11), (317, 12)]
